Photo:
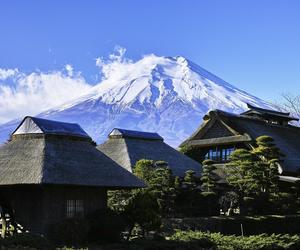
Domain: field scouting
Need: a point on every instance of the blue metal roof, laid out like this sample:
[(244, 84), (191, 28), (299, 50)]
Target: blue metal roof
[(135, 134)]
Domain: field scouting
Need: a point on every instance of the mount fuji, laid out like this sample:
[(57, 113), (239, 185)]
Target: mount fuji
[(168, 95)]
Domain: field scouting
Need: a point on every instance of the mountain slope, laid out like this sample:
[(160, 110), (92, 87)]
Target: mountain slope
[(168, 95)]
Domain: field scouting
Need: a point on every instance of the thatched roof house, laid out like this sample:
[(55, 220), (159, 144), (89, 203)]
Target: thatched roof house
[(221, 132), (52, 170), (126, 147)]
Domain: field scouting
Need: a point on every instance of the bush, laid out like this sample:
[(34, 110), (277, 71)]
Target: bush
[(26, 241), (284, 203), (232, 225), (232, 242), (105, 226), (73, 231)]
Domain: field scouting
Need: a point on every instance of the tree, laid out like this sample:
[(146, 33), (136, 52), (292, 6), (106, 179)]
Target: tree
[(228, 202), (144, 170), (142, 209), (253, 173), (190, 180), (145, 206), (290, 103), (241, 172), (208, 182), (268, 158)]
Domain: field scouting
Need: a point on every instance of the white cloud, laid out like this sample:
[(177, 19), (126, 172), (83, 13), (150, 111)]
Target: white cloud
[(69, 69), (7, 73), (30, 94), (24, 94), (116, 65)]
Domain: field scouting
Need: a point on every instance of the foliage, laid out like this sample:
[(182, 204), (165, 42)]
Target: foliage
[(232, 224), (143, 209), (105, 225), (253, 173), (25, 241), (242, 172), (145, 206), (229, 201), (190, 201), (144, 169), (71, 231), (196, 240), (257, 242), (268, 155), (208, 182), (284, 203)]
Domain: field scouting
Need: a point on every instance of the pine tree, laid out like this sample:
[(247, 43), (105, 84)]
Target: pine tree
[(190, 180), (268, 158), (253, 173), (208, 183), (242, 173)]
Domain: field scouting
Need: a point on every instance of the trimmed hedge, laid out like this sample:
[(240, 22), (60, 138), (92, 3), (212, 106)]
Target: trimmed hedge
[(191, 240), (232, 225), (26, 241), (232, 242)]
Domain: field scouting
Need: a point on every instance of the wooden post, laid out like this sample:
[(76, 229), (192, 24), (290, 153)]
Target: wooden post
[(242, 230)]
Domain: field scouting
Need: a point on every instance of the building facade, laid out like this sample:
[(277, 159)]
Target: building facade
[(222, 132), (50, 171)]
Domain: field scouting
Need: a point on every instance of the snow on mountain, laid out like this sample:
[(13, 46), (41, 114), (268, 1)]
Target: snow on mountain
[(168, 95)]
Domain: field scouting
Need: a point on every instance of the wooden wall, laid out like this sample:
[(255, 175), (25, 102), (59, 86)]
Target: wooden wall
[(37, 206)]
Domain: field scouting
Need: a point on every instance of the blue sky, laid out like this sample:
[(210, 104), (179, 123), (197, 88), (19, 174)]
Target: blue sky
[(254, 45)]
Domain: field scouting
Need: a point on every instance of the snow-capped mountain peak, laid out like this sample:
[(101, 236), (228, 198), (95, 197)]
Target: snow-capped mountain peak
[(168, 95)]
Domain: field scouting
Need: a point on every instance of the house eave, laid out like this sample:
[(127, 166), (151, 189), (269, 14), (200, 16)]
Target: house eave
[(219, 141)]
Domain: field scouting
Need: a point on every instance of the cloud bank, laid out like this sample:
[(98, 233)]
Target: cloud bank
[(24, 94), (29, 94)]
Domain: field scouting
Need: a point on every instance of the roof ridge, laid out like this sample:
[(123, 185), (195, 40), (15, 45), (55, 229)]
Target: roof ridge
[(119, 132)]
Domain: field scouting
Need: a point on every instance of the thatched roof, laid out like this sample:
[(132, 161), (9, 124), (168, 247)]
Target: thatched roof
[(34, 125), (60, 158), (126, 150), (245, 129)]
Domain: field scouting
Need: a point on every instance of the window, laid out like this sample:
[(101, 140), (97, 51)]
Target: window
[(75, 208), (226, 152), (219, 154), (213, 154)]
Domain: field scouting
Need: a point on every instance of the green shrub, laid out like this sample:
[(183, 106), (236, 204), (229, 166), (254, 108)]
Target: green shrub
[(105, 226), (26, 241), (284, 203), (232, 225), (232, 242), (73, 231)]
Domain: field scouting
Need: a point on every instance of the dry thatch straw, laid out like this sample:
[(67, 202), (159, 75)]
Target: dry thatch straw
[(126, 147), (64, 159)]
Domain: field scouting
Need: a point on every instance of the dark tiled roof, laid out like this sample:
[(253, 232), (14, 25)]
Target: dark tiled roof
[(134, 134), (268, 112)]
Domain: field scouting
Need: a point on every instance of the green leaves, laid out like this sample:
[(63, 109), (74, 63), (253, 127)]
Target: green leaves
[(253, 172), (208, 182)]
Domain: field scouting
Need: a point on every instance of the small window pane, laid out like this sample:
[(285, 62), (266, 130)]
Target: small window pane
[(70, 208), (79, 207), (75, 208)]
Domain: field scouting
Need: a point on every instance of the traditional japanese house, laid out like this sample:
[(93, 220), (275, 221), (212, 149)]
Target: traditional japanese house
[(126, 147), (222, 132), (51, 170)]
